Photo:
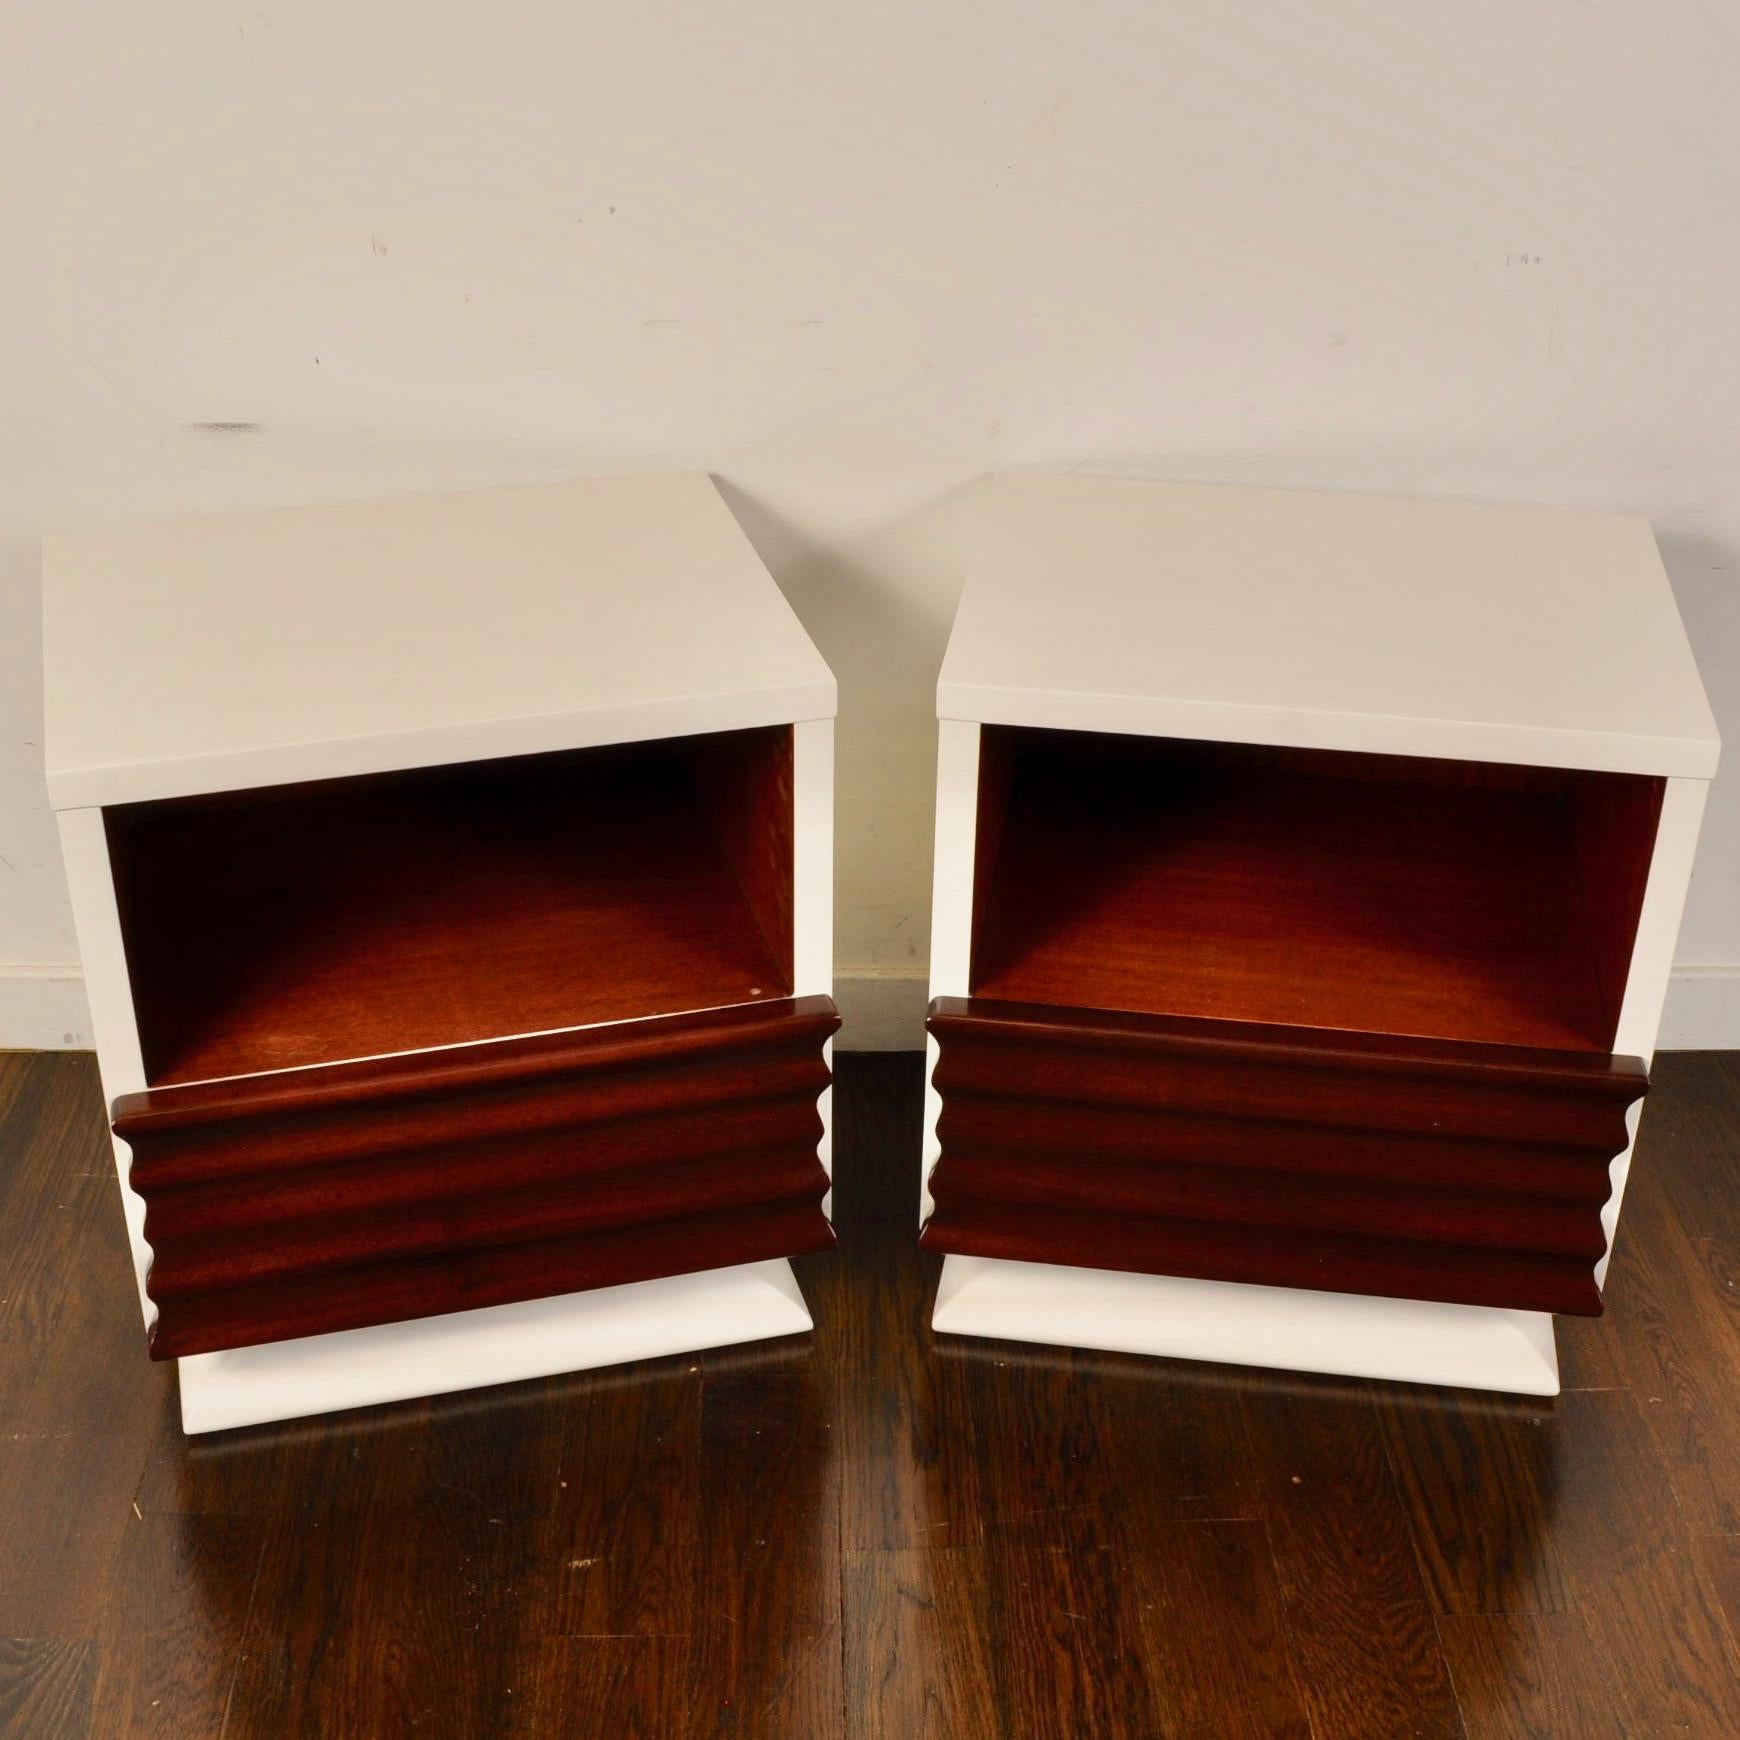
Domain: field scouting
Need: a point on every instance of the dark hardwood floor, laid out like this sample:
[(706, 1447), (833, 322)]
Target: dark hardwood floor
[(871, 1533)]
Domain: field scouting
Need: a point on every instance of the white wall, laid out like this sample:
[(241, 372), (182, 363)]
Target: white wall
[(847, 259)]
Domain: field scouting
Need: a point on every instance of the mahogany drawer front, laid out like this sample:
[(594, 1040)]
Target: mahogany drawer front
[(1294, 1157), (364, 1193)]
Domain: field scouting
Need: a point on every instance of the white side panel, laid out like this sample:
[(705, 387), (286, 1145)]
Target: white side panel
[(1403, 1340), (499, 1344), (85, 848), (951, 907), (813, 884), (1652, 957)]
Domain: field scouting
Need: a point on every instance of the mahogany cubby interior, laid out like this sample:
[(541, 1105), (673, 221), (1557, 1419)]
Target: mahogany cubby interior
[(286, 926), (1383, 894)]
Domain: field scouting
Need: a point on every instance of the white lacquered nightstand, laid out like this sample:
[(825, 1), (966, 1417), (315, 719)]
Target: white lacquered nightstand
[(453, 877), (1308, 870)]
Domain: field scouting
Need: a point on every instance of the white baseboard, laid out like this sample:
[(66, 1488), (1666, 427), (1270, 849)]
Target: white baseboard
[(1703, 1009), (881, 1008), (42, 1007)]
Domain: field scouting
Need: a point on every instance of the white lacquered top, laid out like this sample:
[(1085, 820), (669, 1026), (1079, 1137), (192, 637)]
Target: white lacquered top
[(256, 649), (1326, 621)]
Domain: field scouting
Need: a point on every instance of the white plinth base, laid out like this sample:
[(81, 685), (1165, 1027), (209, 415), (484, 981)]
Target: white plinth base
[(1410, 1340), (500, 1344)]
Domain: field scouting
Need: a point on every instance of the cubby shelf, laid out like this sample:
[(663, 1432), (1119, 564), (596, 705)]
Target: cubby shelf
[(310, 924), (1378, 894)]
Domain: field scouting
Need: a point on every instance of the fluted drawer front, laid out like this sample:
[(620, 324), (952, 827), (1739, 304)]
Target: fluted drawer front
[(363, 1193), (1298, 1157)]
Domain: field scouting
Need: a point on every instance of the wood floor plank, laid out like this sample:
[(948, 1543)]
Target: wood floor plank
[(918, 1660), (767, 1647), (1064, 1656), (79, 1405), (46, 1206), (397, 1589), (1720, 1557), (1591, 1353), (337, 1462), (1071, 1443), (620, 1557), (45, 1688), (1632, 1573), (173, 1626), (1475, 1473), (1180, 1638), (368, 1624), (72, 1448), (1676, 1316), (1681, 1348), (26, 1079), (1364, 1640), (1531, 1676), (1218, 1630), (604, 1688), (1721, 1259), (1691, 1140)]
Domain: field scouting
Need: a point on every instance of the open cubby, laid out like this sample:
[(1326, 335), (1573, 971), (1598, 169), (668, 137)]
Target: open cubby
[(291, 925), (1373, 893)]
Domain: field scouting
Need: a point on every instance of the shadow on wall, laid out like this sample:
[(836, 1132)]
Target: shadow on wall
[(885, 595), (878, 603), (1706, 583)]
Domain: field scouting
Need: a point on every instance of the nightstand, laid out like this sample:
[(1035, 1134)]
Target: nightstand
[(453, 882), (1308, 869)]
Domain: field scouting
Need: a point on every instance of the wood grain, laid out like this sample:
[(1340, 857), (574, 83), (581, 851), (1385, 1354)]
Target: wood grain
[(1044, 1642), (744, 779), (964, 1539), (766, 1652), (1631, 1571), (1680, 1362), (1365, 1641), (165, 1668), (1527, 1676), (369, 1192), (1280, 1156), (45, 1687), (300, 925), (1477, 1478), (1377, 893)]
